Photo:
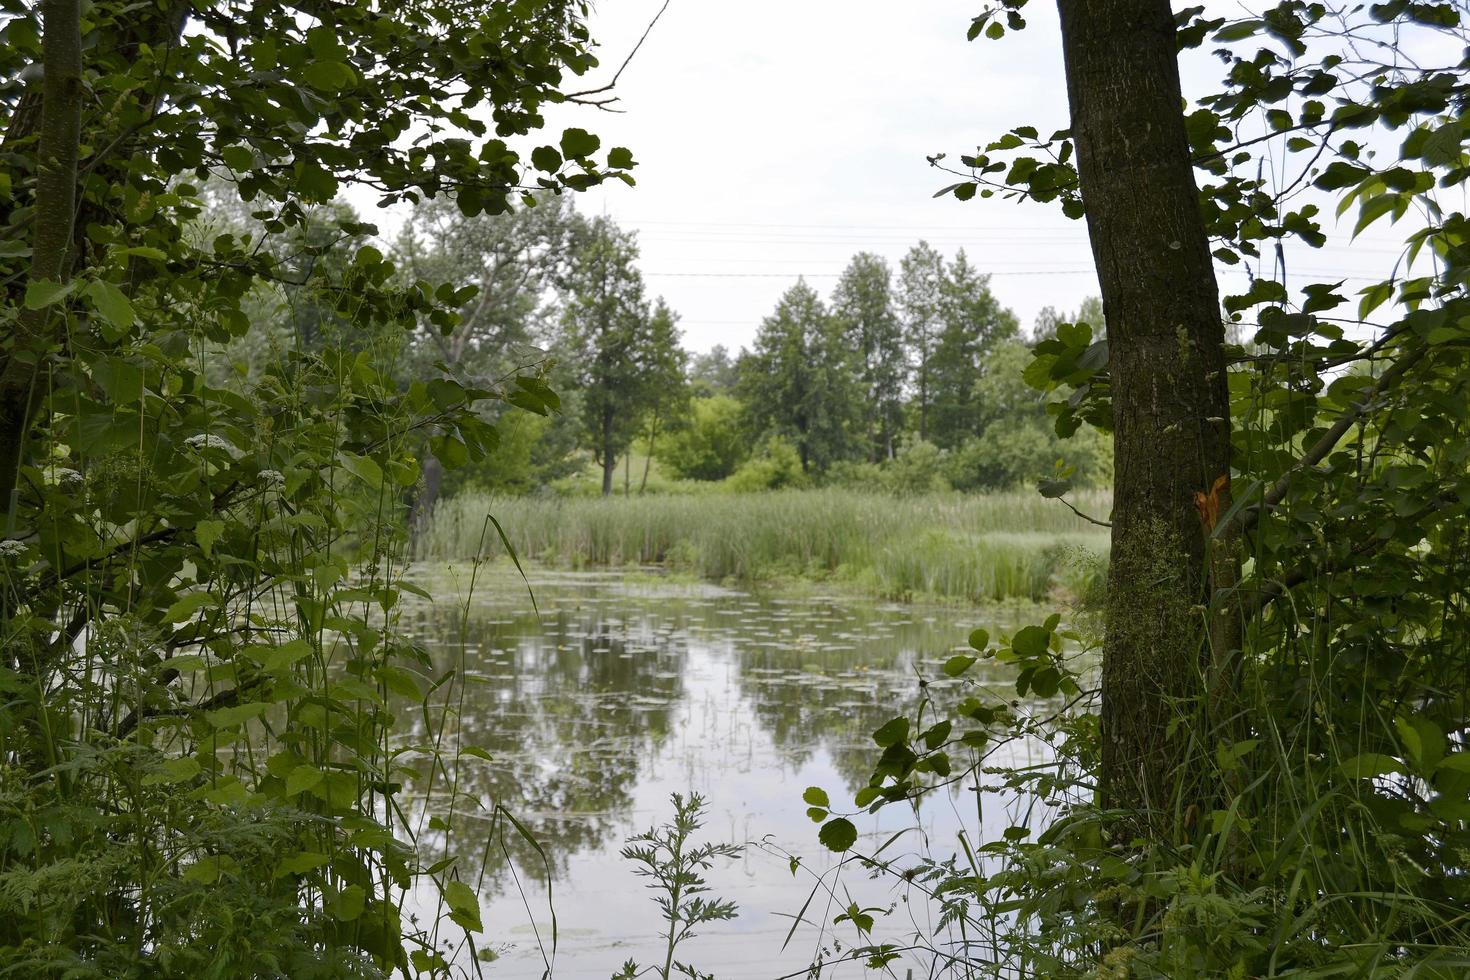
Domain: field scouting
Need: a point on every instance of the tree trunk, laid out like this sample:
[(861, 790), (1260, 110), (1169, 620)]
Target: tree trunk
[(21, 388), (423, 504), (648, 460), (609, 460), (1170, 403), (924, 400)]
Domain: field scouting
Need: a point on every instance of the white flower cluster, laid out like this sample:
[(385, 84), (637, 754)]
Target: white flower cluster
[(10, 548), (65, 476), (272, 478), (209, 441)]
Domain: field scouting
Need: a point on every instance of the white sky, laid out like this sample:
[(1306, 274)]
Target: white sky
[(775, 139)]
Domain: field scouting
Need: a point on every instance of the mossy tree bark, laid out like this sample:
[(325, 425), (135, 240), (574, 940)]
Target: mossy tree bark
[(55, 208), (1170, 403)]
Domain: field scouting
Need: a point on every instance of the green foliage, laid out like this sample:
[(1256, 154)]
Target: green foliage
[(797, 381), (1330, 836), (200, 770), (623, 355), (972, 322), (863, 306), (675, 867), (710, 443), (917, 467), (777, 465)]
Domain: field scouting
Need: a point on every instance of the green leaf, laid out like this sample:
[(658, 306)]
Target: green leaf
[(206, 533), (236, 714), (546, 158), (303, 778), (838, 834), (349, 903), (362, 467), (979, 639), (329, 76), (816, 796), (175, 770), (1052, 489), (43, 292), (1031, 641), (120, 379), (578, 143), (189, 605), (278, 658), (299, 863), (620, 158), (464, 906), (958, 664), (892, 733), (1370, 764), (114, 307), (238, 158)]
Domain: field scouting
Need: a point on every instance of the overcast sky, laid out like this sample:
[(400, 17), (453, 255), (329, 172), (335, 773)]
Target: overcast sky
[(775, 139)]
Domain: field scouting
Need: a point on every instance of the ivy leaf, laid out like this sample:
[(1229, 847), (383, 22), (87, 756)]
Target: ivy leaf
[(838, 834)]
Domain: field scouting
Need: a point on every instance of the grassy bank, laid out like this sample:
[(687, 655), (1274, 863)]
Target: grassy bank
[(990, 547)]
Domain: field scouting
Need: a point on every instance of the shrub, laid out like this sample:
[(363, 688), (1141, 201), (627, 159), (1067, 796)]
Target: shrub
[(777, 467), (710, 445)]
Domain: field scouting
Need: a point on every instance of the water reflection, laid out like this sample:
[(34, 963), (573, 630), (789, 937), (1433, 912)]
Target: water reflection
[(617, 694)]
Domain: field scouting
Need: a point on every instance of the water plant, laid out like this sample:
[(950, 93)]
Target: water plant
[(970, 547)]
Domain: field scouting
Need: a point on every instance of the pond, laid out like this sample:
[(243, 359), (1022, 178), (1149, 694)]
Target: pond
[(620, 691)]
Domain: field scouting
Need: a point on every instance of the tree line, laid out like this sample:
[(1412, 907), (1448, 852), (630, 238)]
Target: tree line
[(904, 380)]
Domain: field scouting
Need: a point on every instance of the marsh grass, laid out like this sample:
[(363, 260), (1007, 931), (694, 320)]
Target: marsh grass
[(971, 547)]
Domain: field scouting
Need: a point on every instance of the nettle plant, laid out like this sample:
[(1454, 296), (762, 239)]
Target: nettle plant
[(1272, 776), (200, 772)]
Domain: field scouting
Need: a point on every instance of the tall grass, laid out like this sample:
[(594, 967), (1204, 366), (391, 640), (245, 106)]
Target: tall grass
[(989, 547)]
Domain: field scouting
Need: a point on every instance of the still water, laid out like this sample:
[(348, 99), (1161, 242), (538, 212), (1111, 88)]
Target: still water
[(619, 692)]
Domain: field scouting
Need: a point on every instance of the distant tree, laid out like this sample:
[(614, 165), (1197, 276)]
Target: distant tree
[(920, 304), (663, 380), (799, 380), (710, 443), (972, 322), (1089, 312), (1017, 443), (511, 260), (713, 372), (863, 307), (605, 329)]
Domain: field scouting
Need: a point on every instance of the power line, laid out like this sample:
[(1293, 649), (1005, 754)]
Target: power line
[(835, 275)]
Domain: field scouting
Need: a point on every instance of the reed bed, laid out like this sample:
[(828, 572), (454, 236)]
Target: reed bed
[(974, 547)]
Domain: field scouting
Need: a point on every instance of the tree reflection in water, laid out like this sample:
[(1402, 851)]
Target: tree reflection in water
[(620, 693)]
